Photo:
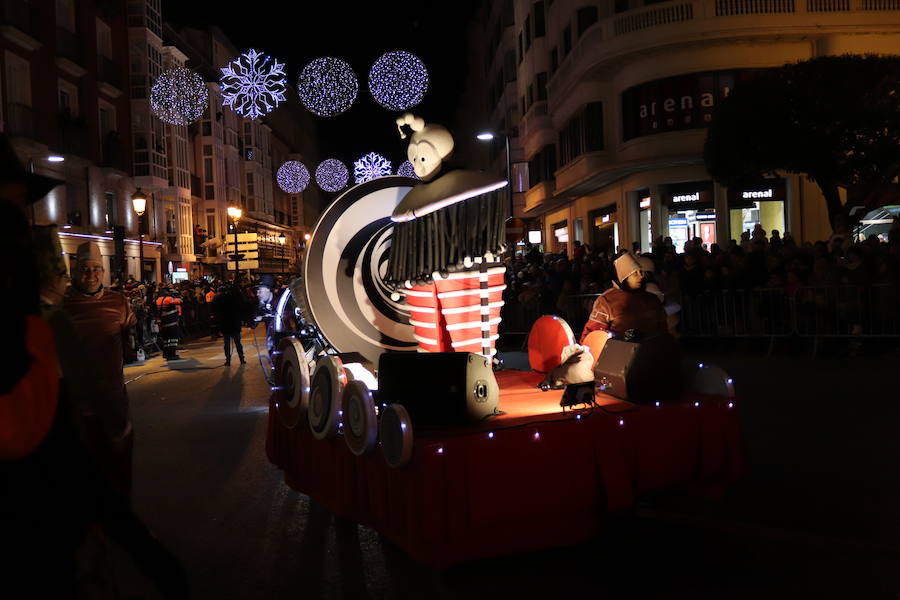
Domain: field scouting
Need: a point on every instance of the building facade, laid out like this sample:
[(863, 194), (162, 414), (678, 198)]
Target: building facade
[(75, 102), (609, 103)]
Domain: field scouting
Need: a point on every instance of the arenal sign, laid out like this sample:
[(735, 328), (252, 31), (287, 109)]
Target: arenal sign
[(675, 103)]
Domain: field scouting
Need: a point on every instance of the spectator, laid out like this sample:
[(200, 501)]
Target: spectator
[(228, 308)]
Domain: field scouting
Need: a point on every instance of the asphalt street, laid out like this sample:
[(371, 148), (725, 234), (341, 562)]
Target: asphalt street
[(817, 517)]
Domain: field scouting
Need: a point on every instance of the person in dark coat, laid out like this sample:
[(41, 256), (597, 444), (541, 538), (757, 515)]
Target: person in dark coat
[(228, 311)]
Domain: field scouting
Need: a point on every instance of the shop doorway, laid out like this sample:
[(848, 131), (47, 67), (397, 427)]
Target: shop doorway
[(692, 213), (763, 206), (604, 230)]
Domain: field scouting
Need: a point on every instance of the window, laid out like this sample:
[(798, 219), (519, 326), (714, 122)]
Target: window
[(18, 80), (540, 27), (206, 128), (250, 191), (543, 165), (208, 169), (530, 95), (104, 39), (587, 16), (522, 105), (65, 14), (541, 85), (582, 133), (567, 40), (68, 98), (107, 114), (554, 60), (521, 53), (527, 32), (207, 149), (112, 210), (620, 6)]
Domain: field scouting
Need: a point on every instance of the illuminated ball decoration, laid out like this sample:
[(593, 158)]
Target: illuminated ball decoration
[(406, 170), (253, 84), (332, 175), (371, 166), (327, 86), (398, 80), (179, 96), (292, 177)]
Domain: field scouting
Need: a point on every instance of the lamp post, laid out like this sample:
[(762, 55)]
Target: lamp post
[(487, 136), (235, 213), (281, 241), (139, 203)]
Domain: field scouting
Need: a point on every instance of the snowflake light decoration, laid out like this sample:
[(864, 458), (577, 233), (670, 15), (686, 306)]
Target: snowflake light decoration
[(406, 170), (370, 166), (253, 84), (292, 176), (398, 80), (332, 175), (179, 96), (327, 86)]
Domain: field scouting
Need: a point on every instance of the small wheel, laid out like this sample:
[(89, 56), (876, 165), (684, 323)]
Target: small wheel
[(324, 399), (396, 434), (292, 379), (360, 422)]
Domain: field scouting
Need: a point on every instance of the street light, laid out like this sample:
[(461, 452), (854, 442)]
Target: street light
[(235, 213), (282, 240), (487, 136), (139, 203)]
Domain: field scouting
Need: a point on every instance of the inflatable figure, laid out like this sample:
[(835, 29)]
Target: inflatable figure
[(447, 232)]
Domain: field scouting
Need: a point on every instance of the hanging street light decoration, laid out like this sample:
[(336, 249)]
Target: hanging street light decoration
[(327, 86), (179, 96), (398, 80), (371, 166), (253, 84), (406, 169), (332, 175), (293, 177)]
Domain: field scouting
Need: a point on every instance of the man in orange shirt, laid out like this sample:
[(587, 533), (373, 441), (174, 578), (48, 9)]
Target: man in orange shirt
[(169, 304)]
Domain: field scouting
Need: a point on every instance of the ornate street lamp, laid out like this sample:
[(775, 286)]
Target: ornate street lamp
[(235, 213), (139, 203), (282, 240)]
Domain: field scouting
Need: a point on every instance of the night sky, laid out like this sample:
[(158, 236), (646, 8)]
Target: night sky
[(359, 34)]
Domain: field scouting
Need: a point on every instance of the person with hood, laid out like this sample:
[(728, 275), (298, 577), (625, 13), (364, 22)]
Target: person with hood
[(627, 306)]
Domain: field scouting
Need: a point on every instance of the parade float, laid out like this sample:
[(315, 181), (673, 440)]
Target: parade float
[(391, 407)]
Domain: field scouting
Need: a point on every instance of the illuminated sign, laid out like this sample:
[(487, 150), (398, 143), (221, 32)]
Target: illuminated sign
[(645, 203), (769, 193), (534, 237), (605, 219), (677, 222), (695, 197)]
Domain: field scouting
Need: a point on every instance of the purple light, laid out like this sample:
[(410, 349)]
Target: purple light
[(731, 405), (490, 435), (327, 86), (253, 84), (398, 80), (406, 170), (730, 381), (621, 422), (696, 404), (332, 175), (537, 435), (293, 177), (440, 450), (179, 96), (371, 166), (657, 403)]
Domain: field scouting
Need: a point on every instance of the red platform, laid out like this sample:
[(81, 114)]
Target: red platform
[(530, 479)]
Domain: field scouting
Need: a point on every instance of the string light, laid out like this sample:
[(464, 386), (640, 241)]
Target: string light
[(371, 166), (293, 177), (327, 86), (490, 435), (731, 405), (332, 175), (179, 96), (253, 84), (398, 80), (440, 450), (537, 435), (621, 422), (406, 169)]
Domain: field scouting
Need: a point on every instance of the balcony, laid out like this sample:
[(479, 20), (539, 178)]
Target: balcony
[(18, 24), (68, 52), (20, 120), (109, 77)]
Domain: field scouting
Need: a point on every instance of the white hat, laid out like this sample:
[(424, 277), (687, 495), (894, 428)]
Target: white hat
[(625, 266), (89, 251)]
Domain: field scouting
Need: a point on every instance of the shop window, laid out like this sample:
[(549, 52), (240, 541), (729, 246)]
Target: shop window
[(691, 213), (762, 205)]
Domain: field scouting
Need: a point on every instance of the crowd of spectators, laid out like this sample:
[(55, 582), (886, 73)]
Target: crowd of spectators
[(541, 283), (196, 313)]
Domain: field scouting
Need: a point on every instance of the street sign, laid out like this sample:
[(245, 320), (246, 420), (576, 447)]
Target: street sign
[(243, 265), (245, 255), (242, 247), (242, 237)]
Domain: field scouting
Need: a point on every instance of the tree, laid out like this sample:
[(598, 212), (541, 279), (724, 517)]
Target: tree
[(835, 119)]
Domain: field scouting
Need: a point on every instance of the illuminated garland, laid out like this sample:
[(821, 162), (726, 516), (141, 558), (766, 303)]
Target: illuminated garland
[(292, 177), (332, 175), (371, 166), (253, 84), (398, 80), (179, 96), (327, 86)]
